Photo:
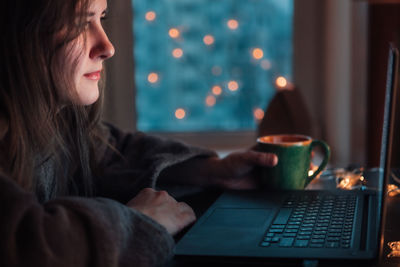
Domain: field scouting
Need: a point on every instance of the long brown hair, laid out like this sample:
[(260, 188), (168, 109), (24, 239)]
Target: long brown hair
[(36, 41)]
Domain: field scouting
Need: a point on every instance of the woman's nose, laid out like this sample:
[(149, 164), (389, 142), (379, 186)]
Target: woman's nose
[(103, 48)]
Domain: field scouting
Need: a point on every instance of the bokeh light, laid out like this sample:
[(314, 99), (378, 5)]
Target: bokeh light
[(177, 53), (281, 82), (174, 33), (180, 113), (150, 15), (257, 53), (258, 114), (208, 39), (216, 90), (210, 100), (232, 24), (152, 77), (233, 85)]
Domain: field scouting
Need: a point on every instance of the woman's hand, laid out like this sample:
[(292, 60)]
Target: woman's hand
[(236, 171), (164, 209)]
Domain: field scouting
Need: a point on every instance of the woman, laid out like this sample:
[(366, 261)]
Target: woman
[(75, 191)]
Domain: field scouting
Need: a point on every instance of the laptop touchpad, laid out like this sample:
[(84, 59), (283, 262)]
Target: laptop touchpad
[(237, 217)]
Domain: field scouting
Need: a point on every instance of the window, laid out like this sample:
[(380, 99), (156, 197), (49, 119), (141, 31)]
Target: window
[(206, 65)]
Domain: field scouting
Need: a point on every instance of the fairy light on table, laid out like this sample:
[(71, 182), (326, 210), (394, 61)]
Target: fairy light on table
[(395, 249), (392, 191)]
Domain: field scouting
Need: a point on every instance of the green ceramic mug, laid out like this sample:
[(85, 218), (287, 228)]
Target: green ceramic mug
[(294, 156)]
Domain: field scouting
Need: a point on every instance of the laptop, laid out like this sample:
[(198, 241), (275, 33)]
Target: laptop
[(298, 225)]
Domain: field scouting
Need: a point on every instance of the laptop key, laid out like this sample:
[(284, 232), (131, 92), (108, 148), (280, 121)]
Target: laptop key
[(332, 244), (275, 239), (304, 237), (265, 244), (318, 236), (333, 239), (289, 234), (283, 216), (334, 234), (277, 226), (305, 233), (301, 243), (286, 242), (278, 230), (318, 240)]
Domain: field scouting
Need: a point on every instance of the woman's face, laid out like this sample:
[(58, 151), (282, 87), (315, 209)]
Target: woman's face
[(91, 48)]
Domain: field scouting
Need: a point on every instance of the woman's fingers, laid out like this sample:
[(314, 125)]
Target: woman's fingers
[(164, 209), (261, 158)]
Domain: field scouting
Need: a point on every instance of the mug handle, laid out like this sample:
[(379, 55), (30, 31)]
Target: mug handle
[(327, 154)]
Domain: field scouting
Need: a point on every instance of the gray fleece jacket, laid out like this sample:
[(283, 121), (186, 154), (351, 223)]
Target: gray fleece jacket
[(41, 229)]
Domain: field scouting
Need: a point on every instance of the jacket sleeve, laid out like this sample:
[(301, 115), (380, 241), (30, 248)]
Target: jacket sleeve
[(75, 231), (135, 160)]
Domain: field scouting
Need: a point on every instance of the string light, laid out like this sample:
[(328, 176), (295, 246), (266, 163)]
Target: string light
[(395, 249), (210, 100), (258, 114), (257, 53), (216, 90), (150, 16), (232, 24), (180, 113), (281, 82), (312, 170), (349, 180), (208, 39), (177, 53), (233, 85), (393, 190), (174, 33), (152, 77)]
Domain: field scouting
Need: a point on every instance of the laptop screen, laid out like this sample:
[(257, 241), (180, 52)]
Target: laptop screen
[(389, 158)]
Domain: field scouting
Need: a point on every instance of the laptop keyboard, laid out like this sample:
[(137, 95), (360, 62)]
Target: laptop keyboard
[(315, 221)]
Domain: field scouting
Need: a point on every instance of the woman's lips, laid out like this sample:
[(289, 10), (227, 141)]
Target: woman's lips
[(95, 76)]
